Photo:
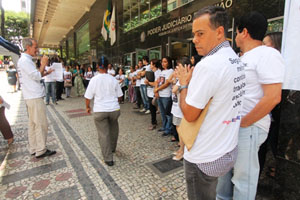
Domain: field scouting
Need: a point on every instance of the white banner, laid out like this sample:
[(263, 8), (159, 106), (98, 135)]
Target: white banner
[(112, 27), (291, 45)]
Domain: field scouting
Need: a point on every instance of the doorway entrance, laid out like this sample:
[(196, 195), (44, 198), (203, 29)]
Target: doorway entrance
[(177, 48)]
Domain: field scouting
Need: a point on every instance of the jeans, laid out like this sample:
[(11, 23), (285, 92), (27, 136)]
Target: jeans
[(68, 91), (165, 105), (199, 185), (241, 184), (50, 90), (143, 89)]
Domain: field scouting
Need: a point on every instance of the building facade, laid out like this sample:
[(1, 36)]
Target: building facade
[(153, 27)]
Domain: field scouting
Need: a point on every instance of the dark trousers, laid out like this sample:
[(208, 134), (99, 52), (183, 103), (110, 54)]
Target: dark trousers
[(123, 90), (138, 96), (199, 185), (4, 125), (272, 138), (153, 111), (108, 131), (59, 89)]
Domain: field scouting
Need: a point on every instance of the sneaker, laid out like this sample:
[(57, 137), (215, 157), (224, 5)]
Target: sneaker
[(147, 112), (143, 110)]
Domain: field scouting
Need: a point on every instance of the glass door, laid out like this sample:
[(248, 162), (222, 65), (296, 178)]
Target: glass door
[(140, 53), (178, 47), (155, 53)]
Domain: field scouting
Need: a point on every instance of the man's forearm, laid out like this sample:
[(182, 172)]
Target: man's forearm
[(264, 106)]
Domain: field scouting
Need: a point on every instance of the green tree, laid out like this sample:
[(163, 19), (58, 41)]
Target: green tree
[(16, 25)]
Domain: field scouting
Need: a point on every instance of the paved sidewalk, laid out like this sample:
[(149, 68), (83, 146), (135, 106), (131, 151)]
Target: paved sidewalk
[(77, 171), (143, 166)]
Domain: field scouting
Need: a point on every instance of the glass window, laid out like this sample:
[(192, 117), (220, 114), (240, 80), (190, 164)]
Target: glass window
[(144, 11), (155, 8), (134, 13), (71, 47), (83, 39), (138, 12), (126, 15), (173, 4)]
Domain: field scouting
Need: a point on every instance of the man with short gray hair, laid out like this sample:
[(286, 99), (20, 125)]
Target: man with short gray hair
[(33, 93)]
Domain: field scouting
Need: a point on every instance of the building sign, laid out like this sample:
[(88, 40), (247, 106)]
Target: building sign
[(172, 26), (225, 4)]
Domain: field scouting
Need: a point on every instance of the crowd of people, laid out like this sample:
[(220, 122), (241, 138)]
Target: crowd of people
[(243, 88)]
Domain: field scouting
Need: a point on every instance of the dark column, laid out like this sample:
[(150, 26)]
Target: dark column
[(288, 161)]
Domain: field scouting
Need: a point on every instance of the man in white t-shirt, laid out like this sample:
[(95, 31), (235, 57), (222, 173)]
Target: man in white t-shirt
[(264, 71), (218, 76), (33, 93), (106, 92)]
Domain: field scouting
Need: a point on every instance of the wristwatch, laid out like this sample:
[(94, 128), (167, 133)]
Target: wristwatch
[(181, 87)]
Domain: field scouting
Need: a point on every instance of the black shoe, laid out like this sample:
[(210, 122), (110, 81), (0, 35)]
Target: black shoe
[(47, 153), (165, 134), (109, 163), (161, 130), (33, 154)]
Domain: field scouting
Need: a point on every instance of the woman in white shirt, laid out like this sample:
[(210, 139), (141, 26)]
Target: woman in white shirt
[(88, 76), (121, 78), (164, 90)]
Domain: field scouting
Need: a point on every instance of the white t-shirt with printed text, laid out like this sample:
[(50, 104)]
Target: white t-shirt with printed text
[(163, 77), (216, 77)]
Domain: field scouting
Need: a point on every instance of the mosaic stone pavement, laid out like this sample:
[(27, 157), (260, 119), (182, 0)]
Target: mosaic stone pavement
[(78, 171)]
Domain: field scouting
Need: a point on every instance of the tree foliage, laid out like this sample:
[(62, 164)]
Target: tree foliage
[(16, 24)]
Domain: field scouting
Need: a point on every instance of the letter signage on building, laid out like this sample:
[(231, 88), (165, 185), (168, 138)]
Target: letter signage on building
[(172, 26)]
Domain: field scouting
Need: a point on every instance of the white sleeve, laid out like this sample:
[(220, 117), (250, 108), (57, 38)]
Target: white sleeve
[(31, 71), (271, 68), (90, 91)]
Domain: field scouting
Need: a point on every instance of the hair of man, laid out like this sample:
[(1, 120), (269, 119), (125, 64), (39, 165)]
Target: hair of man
[(255, 23), (27, 42), (217, 17), (146, 58)]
